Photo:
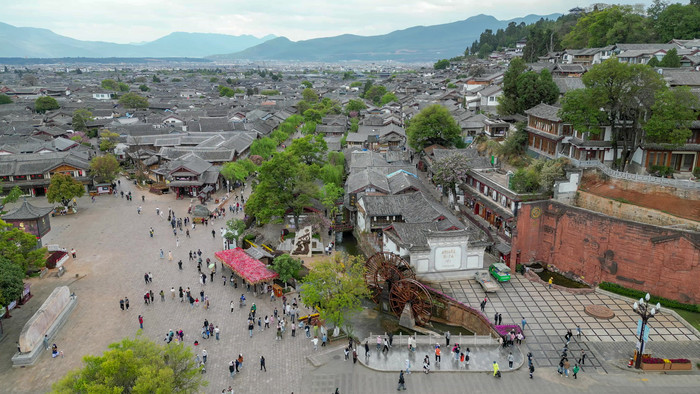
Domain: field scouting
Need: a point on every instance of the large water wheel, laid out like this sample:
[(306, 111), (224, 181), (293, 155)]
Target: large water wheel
[(413, 292), (383, 270)]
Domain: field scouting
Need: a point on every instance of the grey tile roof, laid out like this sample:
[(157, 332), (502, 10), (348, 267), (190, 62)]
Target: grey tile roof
[(38, 163), (545, 111), (27, 211), (359, 181)]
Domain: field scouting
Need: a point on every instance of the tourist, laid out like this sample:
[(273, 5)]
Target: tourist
[(315, 342), (447, 338), (262, 364), (523, 322), (408, 366), (402, 385), (121, 303), (437, 354), (426, 364), (510, 360), (140, 321), (551, 279), (73, 253), (467, 353), (126, 303), (204, 356), (532, 370), (354, 356), (496, 372)]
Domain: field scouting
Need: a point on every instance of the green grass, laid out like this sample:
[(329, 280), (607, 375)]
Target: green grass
[(691, 317)]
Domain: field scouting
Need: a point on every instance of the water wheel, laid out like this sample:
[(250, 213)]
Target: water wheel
[(411, 291), (384, 269)]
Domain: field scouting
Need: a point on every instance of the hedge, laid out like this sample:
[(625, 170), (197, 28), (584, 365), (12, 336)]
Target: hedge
[(636, 294)]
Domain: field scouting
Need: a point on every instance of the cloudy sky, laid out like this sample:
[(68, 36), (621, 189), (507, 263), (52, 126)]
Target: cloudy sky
[(125, 21)]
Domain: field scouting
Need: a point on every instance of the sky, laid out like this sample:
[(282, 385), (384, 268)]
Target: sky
[(129, 21)]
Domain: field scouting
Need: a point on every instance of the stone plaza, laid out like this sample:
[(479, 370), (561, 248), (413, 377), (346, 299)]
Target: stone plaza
[(114, 251)]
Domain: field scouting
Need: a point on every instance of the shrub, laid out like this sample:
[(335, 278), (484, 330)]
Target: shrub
[(636, 294), (680, 360), (696, 172)]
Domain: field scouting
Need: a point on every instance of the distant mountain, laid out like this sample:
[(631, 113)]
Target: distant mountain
[(43, 43), (419, 43)]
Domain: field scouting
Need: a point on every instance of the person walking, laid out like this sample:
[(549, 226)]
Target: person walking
[(170, 255), (402, 383), (532, 370), (162, 254), (551, 279), (524, 323), (437, 354), (426, 364), (216, 332), (567, 366), (121, 303), (447, 338), (582, 360), (578, 331), (510, 360), (126, 303), (496, 371), (262, 364), (407, 363), (204, 356), (366, 349), (141, 321), (575, 370), (354, 356), (162, 296), (315, 342), (231, 368)]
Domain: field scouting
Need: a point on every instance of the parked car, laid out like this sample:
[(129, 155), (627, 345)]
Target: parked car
[(500, 271), (486, 281)]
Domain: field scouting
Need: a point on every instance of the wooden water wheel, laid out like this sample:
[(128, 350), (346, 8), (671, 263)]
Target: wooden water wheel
[(411, 291), (383, 269)]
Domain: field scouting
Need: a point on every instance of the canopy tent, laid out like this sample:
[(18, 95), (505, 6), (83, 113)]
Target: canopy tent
[(251, 270)]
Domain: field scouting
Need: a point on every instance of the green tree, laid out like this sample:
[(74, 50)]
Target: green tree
[(312, 115), (671, 59), (441, 64), (123, 87), (618, 95), (354, 105), (388, 98), (237, 170), (270, 92), (433, 125), (355, 84), (525, 181), (607, 26), (5, 99), (155, 79), (235, 228), (12, 196), (105, 167), (81, 117), (653, 62), (63, 188), (516, 143), (523, 90), (20, 248), (108, 140), (285, 185), (144, 88), (366, 87), (133, 100), (11, 281), (330, 193), (307, 84), (45, 103), (263, 147), (375, 93), (336, 288), (507, 102), (110, 84), (136, 365), (286, 266), (309, 95), (678, 21), (310, 149), (673, 112)]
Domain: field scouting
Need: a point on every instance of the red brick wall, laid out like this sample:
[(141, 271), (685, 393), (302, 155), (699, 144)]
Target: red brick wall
[(660, 261)]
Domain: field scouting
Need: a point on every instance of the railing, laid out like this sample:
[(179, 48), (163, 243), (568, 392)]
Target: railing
[(435, 339), (679, 183)]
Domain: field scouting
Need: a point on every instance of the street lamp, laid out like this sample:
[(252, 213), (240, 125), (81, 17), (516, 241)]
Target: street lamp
[(646, 312)]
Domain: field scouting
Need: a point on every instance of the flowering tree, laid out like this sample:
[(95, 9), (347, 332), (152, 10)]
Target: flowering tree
[(450, 170)]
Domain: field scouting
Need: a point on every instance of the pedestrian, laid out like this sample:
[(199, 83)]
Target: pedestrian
[(294, 330), (138, 210), (366, 349), (496, 371), (315, 342), (346, 352), (500, 319), (232, 368), (407, 363), (582, 360), (567, 366), (532, 370), (121, 303), (354, 356), (447, 338), (575, 370), (250, 327), (402, 383), (162, 296), (204, 356), (578, 331), (529, 358), (162, 254), (126, 303), (150, 278), (150, 293), (483, 306), (379, 343), (391, 339), (386, 346), (510, 360), (467, 354), (262, 364), (426, 364), (437, 354), (213, 233), (170, 255), (495, 318), (73, 253), (523, 322), (551, 279), (46, 342), (216, 332), (324, 339), (140, 321)]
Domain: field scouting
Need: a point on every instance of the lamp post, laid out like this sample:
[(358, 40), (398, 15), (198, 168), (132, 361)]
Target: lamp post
[(646, 312)]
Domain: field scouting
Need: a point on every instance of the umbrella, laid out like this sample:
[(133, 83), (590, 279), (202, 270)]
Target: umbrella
[(212, 265)]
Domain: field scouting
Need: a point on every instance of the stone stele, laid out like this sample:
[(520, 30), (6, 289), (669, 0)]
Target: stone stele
[(32, 334)]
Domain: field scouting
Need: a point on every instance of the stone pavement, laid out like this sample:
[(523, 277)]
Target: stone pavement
[(549, 313)]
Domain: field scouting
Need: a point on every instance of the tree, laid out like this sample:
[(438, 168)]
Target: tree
[(433, 125), (108, 141), (450, 170), (81, 117), (109, 84), (235, 228), (133, 100), (678, 21), (523, 90), (673, 113), (375, 93), (309, 95), (366, 87), (336, 288), (515, 144), (388, 98), (307, 84), (653, 62), (20, 248), (671, 59), (144, 88), (238, 170), (123, 87), (441, 64), (5, 99), (11, 281), (155, 79), (330, 193), (12, 196), (105, 167), (264, 147), (355, 105), (286, 266), (63, 188), (310, 149), (525, 181), (136, 365), (46, 103), (608, 26), (618, 95), (286, 185)]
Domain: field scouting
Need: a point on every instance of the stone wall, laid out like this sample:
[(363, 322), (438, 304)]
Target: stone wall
[(661, 261), (631, 212), (643, 187), (457, 313)]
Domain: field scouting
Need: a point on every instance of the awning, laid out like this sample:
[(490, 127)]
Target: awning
[(251, 270)]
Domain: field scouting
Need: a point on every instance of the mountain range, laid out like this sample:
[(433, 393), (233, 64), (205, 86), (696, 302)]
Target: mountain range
[(414, 44), (43, 43), (418, 43)]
